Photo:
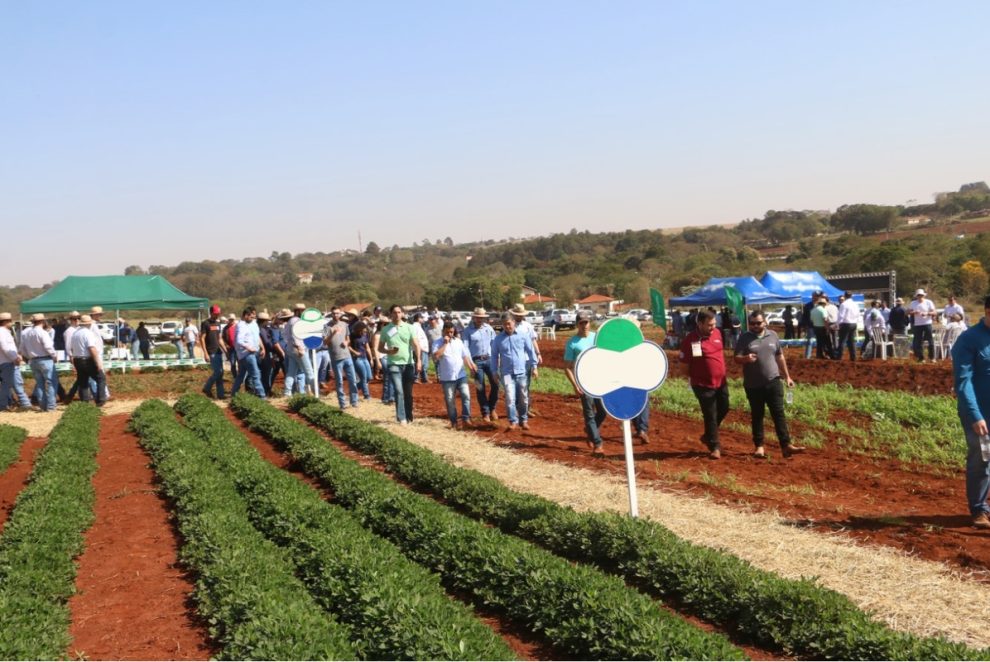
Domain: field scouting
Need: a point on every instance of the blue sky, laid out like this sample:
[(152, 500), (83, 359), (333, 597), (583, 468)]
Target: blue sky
[(152, 133)]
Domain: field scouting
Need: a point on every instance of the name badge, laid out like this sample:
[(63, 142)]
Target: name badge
[(391, 332), (696, 349)]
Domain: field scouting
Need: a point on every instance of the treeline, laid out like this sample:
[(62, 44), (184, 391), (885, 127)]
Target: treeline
[(624, 265)]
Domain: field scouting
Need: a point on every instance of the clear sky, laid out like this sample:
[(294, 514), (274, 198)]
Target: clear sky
[(156, 132)]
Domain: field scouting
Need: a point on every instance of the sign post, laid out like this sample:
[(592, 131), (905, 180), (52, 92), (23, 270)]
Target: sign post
[(309, 330), (622, 368)]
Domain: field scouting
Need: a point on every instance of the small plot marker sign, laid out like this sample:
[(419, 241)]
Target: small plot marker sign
[(622, 368)]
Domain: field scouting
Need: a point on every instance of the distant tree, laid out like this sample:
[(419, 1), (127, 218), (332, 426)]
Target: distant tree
[(449, 242), (973, 278), (975, 187), (134, 270), (865, 219), (372, 248)]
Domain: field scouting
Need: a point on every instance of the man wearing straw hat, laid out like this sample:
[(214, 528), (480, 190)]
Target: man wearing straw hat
[(39, 349), (10, 370), (88, 361), (478, 337)]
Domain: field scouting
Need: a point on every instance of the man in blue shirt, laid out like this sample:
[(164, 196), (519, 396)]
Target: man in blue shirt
[(478, 337), (249, 352), (591, 407), (971, 377), (511, 353)]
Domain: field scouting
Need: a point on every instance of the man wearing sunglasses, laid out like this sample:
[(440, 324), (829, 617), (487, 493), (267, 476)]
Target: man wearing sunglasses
[(762, 359)]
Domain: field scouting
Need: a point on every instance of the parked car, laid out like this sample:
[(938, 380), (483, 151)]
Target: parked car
[(170, 329), (107, 331), (560, 318), (640, 314), (154, 328), (461, 316), (534, 317)]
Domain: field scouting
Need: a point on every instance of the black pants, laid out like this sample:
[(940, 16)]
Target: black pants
[(847, 338), (770, 396), (86, 369), (823, 343), (923, 334), (714, 407)]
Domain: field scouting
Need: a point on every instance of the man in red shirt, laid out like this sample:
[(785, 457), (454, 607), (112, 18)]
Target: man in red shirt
[(701, 352)]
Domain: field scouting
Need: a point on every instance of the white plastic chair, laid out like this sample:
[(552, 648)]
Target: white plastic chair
[(938, 337), (880, 343)]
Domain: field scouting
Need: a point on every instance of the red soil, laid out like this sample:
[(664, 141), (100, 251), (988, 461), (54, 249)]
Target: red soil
[(134, 599), (883, 501)]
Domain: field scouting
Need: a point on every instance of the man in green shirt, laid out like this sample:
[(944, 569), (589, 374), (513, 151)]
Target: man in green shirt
[(398, 342)]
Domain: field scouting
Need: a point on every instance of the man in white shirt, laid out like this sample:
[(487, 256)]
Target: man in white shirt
[(848, 319), (190, 335), (39, 349), (10, 367), (88, 362), (953, 308), (922, 312)]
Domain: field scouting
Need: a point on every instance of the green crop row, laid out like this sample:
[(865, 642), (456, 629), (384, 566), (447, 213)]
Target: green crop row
[(581, 611), (396, 609), (11, 439), (799, 617), (42, 538), (246, 590)]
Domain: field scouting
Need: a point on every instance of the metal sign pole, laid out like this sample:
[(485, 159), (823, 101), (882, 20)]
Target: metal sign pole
[(630, 468)]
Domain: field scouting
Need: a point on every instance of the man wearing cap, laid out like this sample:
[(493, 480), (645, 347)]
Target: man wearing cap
[(37, 347), (249, 352), (591, 407), (819, 323), (898, 319), (214, 349), (971, 378), (88, 362), (267, 362), (337, 339), (10, 370), (398, 342), (512, 355), (923, 313), (478, 337), (525, 328)]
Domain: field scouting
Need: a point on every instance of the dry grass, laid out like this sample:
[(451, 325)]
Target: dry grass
[(909, 594)]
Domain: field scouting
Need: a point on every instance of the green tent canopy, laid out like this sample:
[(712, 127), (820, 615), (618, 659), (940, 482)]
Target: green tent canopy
[(114, 293)]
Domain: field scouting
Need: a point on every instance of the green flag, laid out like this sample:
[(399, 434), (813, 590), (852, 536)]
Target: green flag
[(658, 310), (734, 300)]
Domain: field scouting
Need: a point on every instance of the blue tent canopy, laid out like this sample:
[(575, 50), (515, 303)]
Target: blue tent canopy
[(712, 293), (795, 285)]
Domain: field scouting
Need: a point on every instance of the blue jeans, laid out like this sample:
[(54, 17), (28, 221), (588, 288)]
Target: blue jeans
[(594, 415), (216, 362), (977, 474), (516, 397), (232, 357), (486, 401), (42, 371), (642, 422), (178, 347), (190, 346), (322, 367), (363, 368), (449, 389), (305, 366), (342, 367), (424, 363), (402, 378), (388, 395), (135, 349), (10, 380), (248, 370)]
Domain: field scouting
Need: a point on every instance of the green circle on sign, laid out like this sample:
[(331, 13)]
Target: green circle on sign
[(618, 335)]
